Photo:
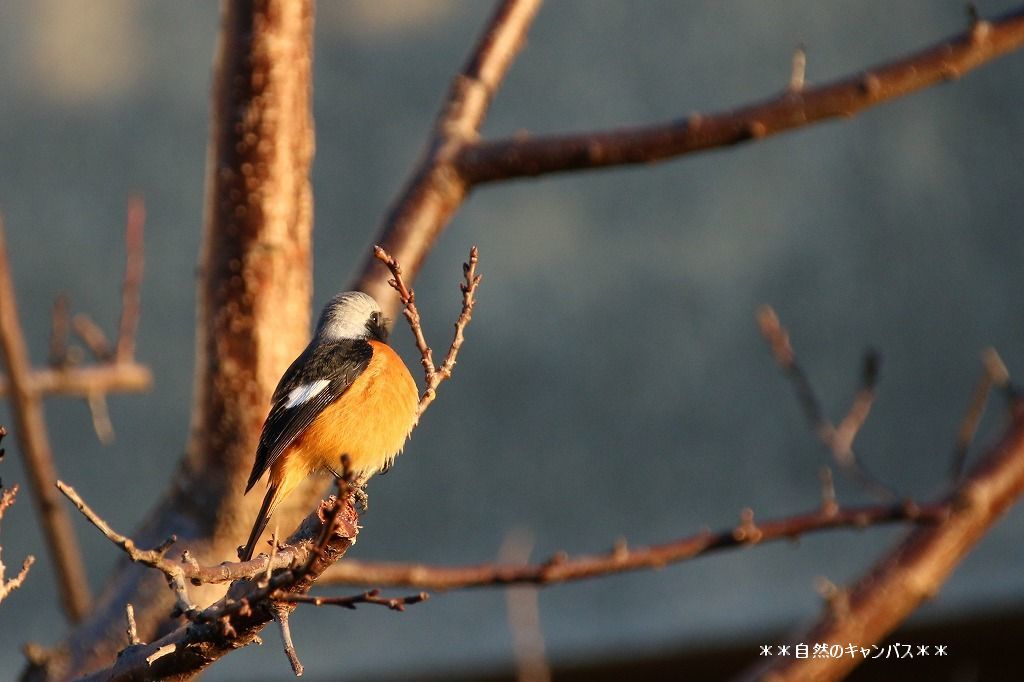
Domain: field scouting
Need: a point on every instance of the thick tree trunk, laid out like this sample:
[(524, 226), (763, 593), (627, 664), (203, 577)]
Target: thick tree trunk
[(254, 294)]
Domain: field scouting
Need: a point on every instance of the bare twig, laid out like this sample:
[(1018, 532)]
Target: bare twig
[(994, 374), (132, 629), (352, 601), (433, 376), (916, 568), (235, 620), (8, 585), (838, 441), (60, 327), (30, 429), (281, 617), (130, 298), (563, 568)]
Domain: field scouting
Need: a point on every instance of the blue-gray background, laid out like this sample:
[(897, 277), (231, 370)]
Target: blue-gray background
[(613, 382)]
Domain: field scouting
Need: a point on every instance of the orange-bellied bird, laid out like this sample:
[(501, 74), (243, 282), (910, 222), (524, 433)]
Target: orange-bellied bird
[(348, 393)]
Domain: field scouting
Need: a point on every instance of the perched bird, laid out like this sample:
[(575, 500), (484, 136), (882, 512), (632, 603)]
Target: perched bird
[(348, 393)]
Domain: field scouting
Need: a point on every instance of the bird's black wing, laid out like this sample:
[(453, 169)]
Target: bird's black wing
[(339, 364)]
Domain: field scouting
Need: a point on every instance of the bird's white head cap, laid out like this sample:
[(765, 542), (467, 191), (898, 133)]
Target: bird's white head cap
[(349, 315)]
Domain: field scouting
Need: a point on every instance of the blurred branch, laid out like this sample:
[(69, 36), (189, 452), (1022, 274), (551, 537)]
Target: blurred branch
[(132, 283), (562, 568), (522, 611), (31, 432), (523, 155), (993, 374), (915, 569), (838, 440)]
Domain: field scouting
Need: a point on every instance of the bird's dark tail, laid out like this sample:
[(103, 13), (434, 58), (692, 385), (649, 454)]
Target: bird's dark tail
[(269, 502)]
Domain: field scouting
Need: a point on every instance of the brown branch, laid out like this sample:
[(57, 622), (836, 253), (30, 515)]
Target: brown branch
[(435, 189), (60, 327), (455, 160), (521, 155), (916, 568), (236, 620), (31, 432), (132, 283), (281, 617), (433, 376), (118, 377), (839, 441), (351, 601), (563, 568), (187, 569)]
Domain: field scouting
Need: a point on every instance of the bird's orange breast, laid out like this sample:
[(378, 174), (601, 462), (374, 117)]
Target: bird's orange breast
[(369, 423)]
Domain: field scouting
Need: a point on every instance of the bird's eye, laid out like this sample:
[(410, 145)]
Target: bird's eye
[(375, 318)]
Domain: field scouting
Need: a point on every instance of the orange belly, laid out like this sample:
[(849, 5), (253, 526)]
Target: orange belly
[(369, 423)]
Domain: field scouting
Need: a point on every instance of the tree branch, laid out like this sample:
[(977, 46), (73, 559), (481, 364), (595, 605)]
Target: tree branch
[(435, 189), (918, 566), (31, 432), (454, 163), (235, 620), (838, 440), (521, 155), (562, 568)]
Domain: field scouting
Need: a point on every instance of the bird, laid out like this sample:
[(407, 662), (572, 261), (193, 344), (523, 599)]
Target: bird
[(347, 394)]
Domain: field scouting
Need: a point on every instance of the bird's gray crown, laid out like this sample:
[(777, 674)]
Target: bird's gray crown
[(345, 316)]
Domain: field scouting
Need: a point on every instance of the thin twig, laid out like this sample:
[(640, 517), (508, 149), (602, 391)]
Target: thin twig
[(133, 265), (838, 441), (563, 568), (60, 328), (132, 630), (7, 497), (281, 617), (31, 431), (993, 374), (352, 601), (434, 376)]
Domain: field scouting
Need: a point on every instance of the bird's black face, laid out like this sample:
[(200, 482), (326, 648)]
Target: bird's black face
[(376, 327)]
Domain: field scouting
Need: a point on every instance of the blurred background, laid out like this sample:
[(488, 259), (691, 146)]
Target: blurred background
[(613, 383)]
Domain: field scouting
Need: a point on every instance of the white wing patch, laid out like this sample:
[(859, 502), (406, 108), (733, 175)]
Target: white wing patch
[(305, 392)]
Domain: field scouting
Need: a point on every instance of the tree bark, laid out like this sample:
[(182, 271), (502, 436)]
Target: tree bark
[(254, 294)]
